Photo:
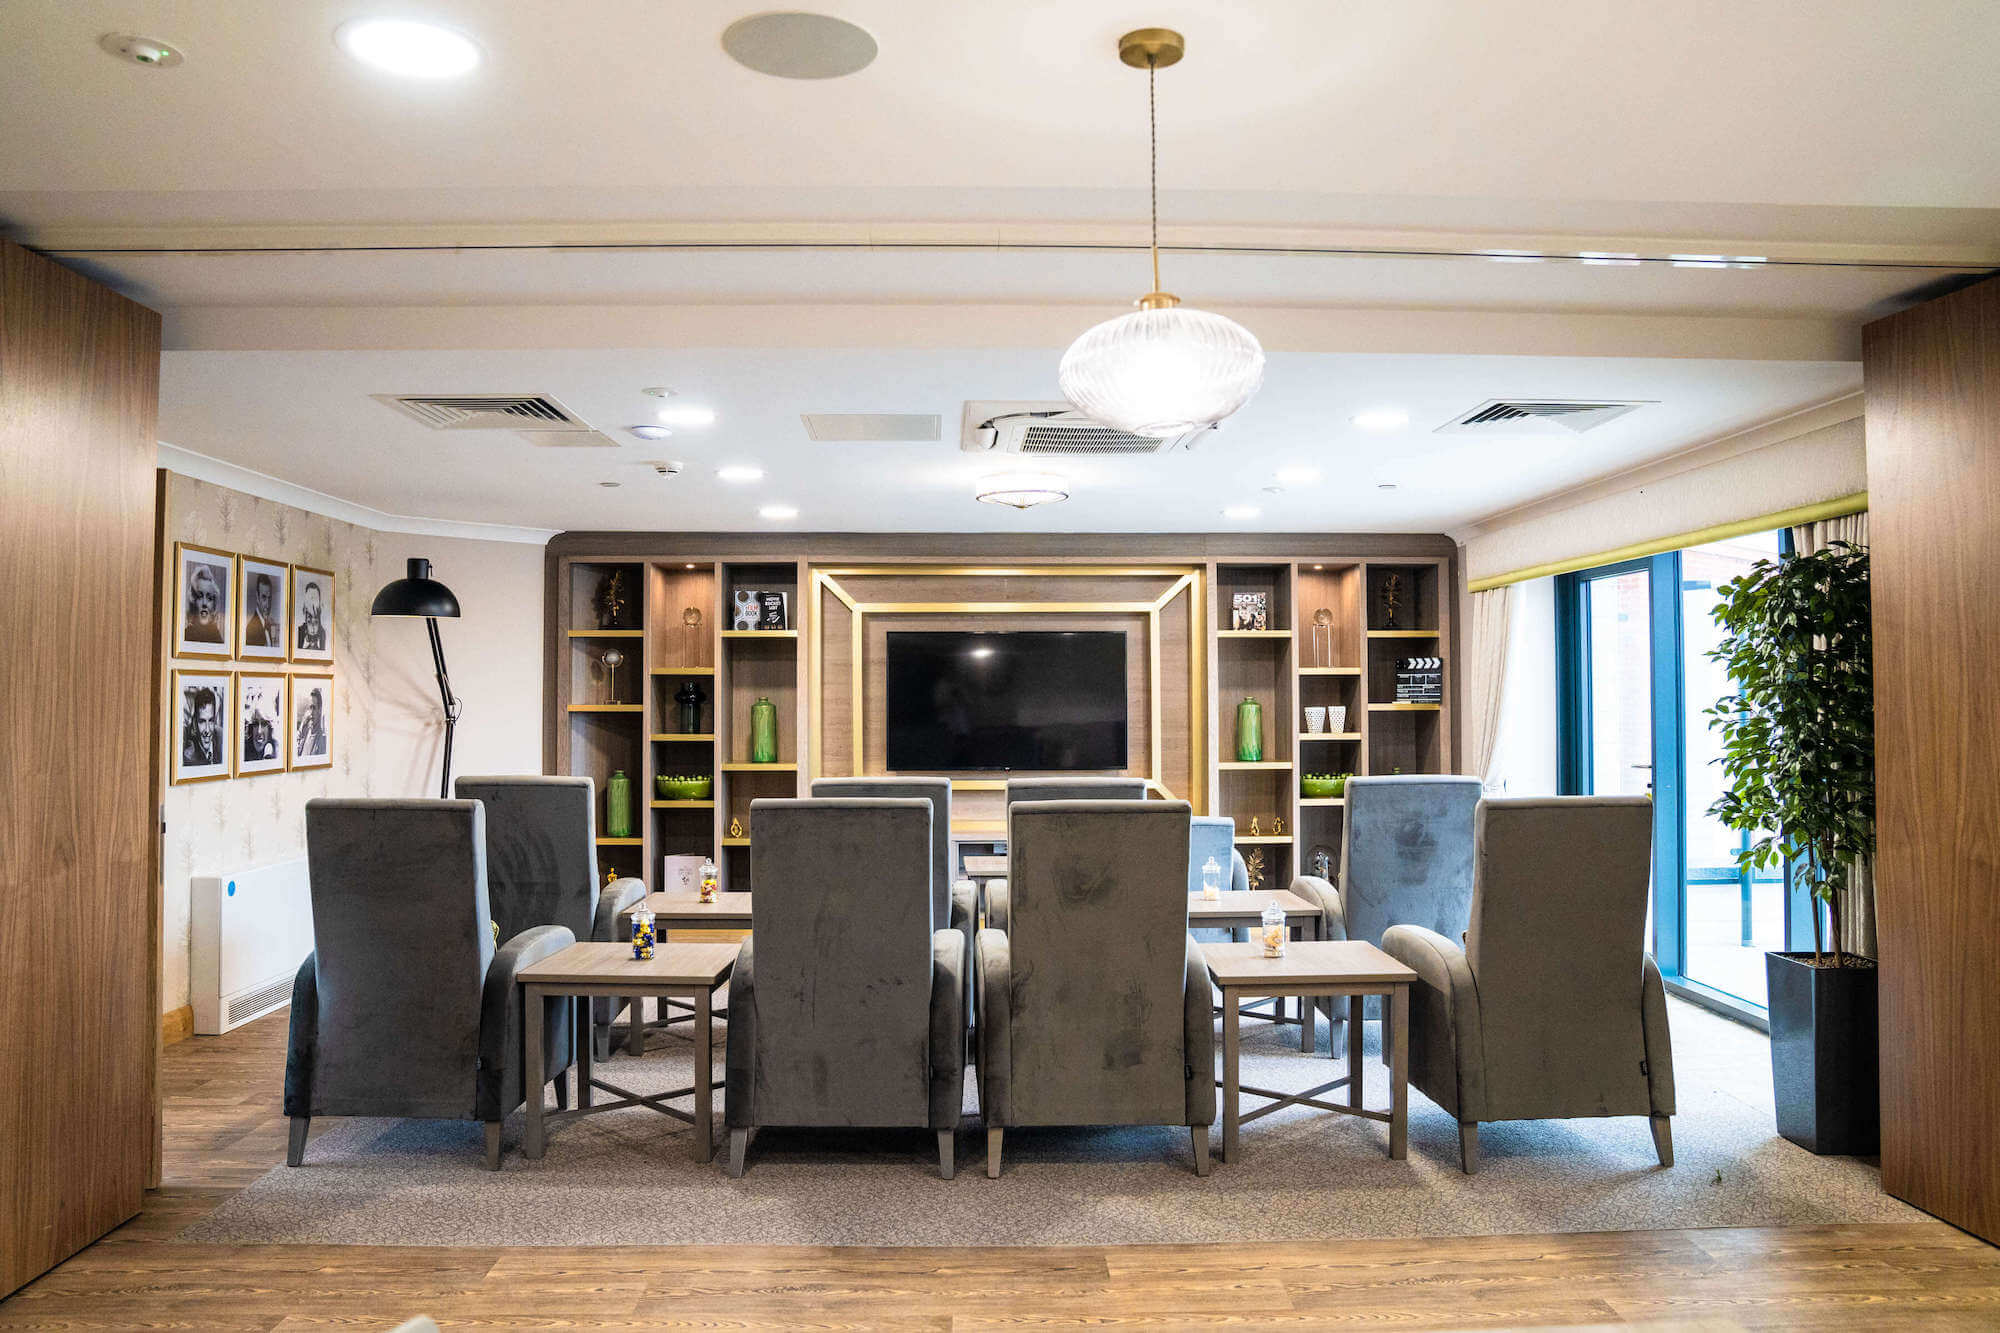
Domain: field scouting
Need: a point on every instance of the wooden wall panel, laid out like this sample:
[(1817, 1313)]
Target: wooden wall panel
[(79, 988), (1933, 384)]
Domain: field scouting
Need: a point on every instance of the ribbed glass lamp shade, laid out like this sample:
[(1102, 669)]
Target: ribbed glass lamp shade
[(418, 594), (1162, 372)]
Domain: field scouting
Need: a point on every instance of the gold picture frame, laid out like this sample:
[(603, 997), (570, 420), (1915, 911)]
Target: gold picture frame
[(303, 617), (269, 625), (309, 739), (198, 744), (252, 689), (203, 605)]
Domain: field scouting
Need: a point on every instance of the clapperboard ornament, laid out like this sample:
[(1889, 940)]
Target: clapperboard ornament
[(1420, 680)]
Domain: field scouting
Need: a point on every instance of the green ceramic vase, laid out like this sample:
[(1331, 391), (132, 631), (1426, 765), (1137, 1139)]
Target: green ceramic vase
[(618, 806), (763, 732), (1249, 731)]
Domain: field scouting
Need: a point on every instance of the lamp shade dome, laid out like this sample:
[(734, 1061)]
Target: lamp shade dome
[(416, 594), (1162, 372)]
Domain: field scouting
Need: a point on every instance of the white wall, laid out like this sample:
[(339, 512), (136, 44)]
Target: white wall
[(387, 734)]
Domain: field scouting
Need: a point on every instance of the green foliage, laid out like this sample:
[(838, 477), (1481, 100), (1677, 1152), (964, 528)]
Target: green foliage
[(1799, 733)]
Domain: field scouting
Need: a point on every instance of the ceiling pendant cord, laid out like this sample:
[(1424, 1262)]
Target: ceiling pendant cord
[(1153, 141)]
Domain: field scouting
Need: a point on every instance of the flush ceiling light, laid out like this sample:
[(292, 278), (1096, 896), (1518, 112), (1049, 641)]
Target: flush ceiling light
[(738, 474), (407, 48), (1382, 418), (649, 432), (778, 511), (799, 46), (1241, 512), (1162, 370), (687, 416), (1022, 490), (1297, 476)]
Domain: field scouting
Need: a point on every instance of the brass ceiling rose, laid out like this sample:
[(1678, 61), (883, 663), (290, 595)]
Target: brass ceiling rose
[(1155, 47)]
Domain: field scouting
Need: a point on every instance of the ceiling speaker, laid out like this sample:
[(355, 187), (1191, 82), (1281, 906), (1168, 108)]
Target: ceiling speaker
[(799, 46)]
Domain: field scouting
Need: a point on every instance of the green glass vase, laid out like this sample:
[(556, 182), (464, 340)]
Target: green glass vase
[(1249, 731), (763, 732), (618, 806)]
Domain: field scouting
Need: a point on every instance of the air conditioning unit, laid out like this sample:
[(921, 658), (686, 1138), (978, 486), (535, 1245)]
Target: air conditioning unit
[(249, 932), (1055, 430)]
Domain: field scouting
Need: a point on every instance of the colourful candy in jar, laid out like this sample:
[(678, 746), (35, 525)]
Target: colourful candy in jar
[(644, 935)]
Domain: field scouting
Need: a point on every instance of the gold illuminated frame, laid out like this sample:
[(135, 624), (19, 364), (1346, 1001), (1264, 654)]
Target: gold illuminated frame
[(1186, 580)]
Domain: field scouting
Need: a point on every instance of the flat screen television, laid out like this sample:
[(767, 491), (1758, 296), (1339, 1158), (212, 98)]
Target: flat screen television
[(1016, 700)]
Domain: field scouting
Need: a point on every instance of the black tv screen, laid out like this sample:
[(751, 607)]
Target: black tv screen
[(1018, 701)]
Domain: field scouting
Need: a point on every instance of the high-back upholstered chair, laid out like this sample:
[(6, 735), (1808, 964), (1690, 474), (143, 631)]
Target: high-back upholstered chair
[(541, 865), (1215, 836), (949, 906), (1094, 1005), (1075, 789), (846, 1007), (1405, 859), (405, 1008), (1552, 1009)]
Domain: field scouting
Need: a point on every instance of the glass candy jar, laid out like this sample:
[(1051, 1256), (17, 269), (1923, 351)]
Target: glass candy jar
[(644, 936), (1273, 931), (710, 879), (1211, 881)]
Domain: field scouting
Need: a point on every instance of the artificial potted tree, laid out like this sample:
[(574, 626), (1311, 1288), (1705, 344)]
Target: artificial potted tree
[(1799, 756)]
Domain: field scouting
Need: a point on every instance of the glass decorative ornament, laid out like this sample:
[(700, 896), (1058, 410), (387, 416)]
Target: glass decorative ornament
[(1273, 932), (1211, 881), (644, 934), (1164, 369), (710, 879)]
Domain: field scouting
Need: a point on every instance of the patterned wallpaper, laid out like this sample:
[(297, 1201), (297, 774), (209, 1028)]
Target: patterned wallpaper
[(386, 734)]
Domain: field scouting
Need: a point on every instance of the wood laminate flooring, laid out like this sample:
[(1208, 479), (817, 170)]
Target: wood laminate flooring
[(224, 1129)]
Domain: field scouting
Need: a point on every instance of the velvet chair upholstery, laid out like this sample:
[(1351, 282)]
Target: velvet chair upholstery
[(541, 865), (1075, 789), (406, 1008), (1215, 836), (1552, 1009), (1095, 1004), (952, 905), (846, 1008)]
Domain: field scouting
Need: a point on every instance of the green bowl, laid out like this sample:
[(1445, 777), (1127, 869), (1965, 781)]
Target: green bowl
[(1319, 787), (684, 788)]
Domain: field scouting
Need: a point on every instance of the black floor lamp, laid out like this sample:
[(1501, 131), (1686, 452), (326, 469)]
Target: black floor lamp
[(418, 594)]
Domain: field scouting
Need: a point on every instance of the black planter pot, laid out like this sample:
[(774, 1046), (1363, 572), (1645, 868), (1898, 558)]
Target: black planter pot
[(1823, 1054)]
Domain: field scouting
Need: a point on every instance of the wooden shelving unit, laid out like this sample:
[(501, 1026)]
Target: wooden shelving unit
[(756, 664)]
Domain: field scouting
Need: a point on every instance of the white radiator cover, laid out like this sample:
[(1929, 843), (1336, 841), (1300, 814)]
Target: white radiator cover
[(250, 931)]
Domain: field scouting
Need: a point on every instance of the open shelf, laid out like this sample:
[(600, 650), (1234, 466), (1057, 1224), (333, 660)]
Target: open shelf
[(1330, 671), (1281, 635), (1404, 708), (607, 708), (683, 671), (1402, 634), (736, 842), (1240, 765), (681, 805), (1322, 800), (1308, 737), (749, 767), (607, 634), (760, 634), (1263, 840), (621, 842), (683, 737)]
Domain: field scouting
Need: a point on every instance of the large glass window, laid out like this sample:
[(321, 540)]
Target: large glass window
[(1636, 684)]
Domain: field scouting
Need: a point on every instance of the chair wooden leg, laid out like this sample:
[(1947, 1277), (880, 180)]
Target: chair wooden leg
[(947, 1153), (493, 1145), (993, 1137), (1663, 1139), (562, 1091), (1468, 1145), (295, 1151), (1200, 1136), (739, 1142)]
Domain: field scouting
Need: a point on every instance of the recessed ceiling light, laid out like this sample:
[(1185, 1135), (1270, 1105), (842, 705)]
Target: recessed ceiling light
[(1297, 476), (610, 485), (799, 46), (687, 416), (649, 432), (408, 48), (147, 51), (738, 474), (688, 566), (659, 391), (1385, 485), (1022, 490), (1381, 418), (778, 511), (1240, 512)]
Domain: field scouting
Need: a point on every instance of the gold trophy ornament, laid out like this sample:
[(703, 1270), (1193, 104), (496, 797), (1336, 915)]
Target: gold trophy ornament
[(735, 827)]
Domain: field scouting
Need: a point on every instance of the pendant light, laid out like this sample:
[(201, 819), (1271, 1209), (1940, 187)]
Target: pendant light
[(1164, 369)]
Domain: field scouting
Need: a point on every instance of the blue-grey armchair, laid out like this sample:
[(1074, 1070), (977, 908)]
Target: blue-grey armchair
[(405, 1007)]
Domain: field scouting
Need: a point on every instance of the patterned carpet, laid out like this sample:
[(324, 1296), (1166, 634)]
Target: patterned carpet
[(627, 1177)]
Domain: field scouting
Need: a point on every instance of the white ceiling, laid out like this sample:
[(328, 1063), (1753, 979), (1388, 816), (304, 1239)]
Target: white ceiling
[(936, 227), (306, 417)]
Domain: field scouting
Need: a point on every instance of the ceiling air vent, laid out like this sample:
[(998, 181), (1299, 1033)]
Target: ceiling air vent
[(1537, 416), (871, 427), (1055, 430), (485, 411)]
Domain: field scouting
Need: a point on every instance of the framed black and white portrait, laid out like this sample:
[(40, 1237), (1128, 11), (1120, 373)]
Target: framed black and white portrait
[(260, 723), (312, 615), (204, 602), (263, 594), (200, 715), (311, 732)]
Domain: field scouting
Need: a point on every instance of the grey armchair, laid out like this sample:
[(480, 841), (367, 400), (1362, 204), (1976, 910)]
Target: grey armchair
[(1552, 1009), (405, 1008), (954, 905), (541, 866), (1095, 1004), (846, 1007), (1215, 836), (1074, 789)]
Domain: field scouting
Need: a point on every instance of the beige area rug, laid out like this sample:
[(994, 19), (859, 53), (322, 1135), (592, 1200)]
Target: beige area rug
[(627, 1177)]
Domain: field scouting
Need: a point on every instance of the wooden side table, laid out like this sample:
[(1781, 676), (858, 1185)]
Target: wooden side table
[(671, 912), (584, 971), (1244, 909), (1309, 969)]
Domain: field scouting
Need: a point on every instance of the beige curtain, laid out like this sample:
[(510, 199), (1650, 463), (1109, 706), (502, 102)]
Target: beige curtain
[(1857, 903), (1487, 627)]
